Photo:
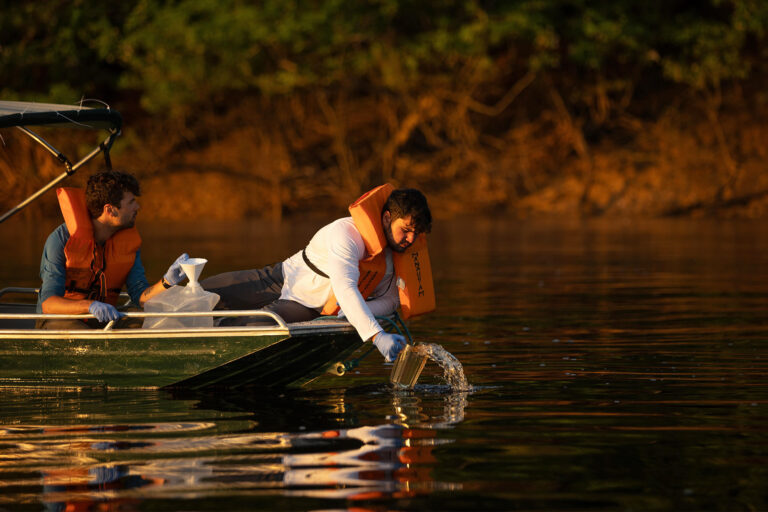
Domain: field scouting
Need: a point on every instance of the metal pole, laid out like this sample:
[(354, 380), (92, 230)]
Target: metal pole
[(70, 168), (55, 152)]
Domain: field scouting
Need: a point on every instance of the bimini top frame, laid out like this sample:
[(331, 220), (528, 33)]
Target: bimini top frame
[(21, 115)]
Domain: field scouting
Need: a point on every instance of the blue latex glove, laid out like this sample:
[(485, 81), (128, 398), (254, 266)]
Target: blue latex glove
[(389, 345), (175, 273), (104, 312)]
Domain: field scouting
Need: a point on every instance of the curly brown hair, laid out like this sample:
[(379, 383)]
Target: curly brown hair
[(108, 187)]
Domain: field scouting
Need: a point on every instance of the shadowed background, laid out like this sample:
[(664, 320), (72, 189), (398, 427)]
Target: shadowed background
[(531, 108)]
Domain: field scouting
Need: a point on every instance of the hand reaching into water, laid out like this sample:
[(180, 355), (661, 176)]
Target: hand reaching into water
[(389, 345)]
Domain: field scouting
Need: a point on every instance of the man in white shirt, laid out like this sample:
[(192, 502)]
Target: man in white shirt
[(306, 284)]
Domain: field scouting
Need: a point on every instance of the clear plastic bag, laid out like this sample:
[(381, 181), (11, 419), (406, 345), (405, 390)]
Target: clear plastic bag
[(191, 297), (180, 298)]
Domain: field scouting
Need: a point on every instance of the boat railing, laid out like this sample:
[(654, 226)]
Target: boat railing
[(18, 290), (143, 314), (10, 311), (135, 314)]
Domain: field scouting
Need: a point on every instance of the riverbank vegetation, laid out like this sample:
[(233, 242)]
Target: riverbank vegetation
[(538, 107)]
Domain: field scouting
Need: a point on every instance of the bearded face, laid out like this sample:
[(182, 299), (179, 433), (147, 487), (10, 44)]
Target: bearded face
[(400, 232), (125, 214)]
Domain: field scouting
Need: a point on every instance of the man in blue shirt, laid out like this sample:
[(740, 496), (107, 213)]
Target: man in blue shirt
[(84, 271)]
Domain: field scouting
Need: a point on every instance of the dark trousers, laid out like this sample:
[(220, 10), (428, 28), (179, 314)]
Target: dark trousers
[(256, 289)]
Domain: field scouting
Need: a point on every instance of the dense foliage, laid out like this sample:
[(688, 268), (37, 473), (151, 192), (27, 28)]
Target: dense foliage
[(180, 53), (439, 74)]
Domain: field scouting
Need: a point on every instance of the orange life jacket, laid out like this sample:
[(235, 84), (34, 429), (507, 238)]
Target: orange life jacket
[(92, 271), (413, 271)]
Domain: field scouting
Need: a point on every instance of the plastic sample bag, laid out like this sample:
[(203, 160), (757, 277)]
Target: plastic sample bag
[(191, 297)]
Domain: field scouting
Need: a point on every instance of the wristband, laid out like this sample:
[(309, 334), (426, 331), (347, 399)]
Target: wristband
[(165, 283)]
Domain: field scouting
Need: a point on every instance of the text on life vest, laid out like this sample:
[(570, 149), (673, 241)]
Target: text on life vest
[(415, 256)]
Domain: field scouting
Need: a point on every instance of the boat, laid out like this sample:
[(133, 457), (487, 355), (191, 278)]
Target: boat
[(232, 357), (195, 358)]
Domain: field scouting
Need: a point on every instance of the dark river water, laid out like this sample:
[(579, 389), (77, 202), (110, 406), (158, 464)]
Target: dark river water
[(615, 365)]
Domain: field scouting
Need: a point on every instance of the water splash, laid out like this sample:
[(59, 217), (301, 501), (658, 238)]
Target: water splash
[(453, 371)]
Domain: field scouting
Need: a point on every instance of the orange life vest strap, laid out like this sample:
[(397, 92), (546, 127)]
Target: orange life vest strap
[(414, 278), (75, 212), (94, 272), (366, 212)]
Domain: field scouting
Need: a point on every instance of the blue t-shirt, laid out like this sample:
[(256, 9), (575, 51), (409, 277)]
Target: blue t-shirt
[(53, 270)]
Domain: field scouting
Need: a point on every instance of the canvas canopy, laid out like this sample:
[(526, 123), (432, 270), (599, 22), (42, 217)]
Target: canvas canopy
[(22, 113)]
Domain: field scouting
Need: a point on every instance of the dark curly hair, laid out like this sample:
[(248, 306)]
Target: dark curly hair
[(108, 187), (409, 202)]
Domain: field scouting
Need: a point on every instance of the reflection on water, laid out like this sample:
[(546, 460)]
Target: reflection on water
[(391, 461), (78, 466), (614, 365), (408, 407)]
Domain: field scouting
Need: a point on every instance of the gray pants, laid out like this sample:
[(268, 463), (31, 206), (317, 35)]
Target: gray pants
[(256, 289)]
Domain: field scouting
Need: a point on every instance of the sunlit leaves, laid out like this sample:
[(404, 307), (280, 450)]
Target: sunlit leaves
[(181, 53), (711, 48)]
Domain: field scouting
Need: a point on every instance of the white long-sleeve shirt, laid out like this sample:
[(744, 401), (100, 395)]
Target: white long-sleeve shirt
[(337, 249)]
